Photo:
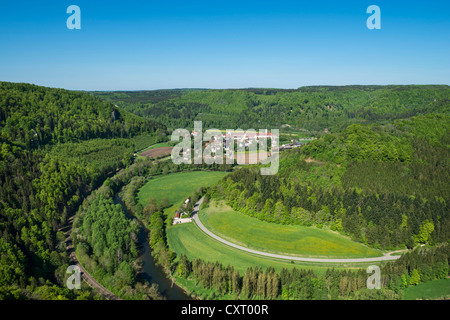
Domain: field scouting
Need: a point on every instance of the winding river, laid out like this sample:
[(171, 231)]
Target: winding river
[(150, 271)]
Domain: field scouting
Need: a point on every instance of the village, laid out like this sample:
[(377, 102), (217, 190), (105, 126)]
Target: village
[(245, 141)]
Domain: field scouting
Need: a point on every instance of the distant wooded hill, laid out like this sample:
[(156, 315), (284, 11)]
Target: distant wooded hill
[(311, 108)]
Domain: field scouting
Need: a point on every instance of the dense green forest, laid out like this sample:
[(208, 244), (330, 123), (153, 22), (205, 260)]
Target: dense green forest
[(56, 147), (308, 108), (111, 238), (384, 185), (31, 116), (106, 240)]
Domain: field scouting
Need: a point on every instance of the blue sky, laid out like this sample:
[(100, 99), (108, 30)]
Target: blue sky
[(138, 45)]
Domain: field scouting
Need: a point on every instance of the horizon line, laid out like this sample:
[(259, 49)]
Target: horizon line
[(235, 88)]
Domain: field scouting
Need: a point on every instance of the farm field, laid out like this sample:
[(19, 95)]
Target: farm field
[(154, 146), (428, 290), (157, 152), (282, 239)]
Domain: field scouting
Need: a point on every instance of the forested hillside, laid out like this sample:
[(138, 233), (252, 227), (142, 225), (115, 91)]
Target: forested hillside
[(384, 185), (56, 147), (33, 116), (310, 108)]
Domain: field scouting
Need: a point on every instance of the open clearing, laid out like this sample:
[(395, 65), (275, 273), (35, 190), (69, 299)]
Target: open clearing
[(293, 240)]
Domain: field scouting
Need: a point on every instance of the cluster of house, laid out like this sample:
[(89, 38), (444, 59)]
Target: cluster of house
[(243, 138)]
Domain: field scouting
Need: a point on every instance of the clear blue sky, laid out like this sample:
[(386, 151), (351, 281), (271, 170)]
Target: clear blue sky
[(136, 45)]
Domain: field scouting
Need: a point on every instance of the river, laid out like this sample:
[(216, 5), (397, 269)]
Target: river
[(150, 271)]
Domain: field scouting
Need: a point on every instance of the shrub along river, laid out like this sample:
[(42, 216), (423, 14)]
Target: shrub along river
[(152, 272)]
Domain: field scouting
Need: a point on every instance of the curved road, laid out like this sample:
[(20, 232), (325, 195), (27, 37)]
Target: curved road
[(385, 257)]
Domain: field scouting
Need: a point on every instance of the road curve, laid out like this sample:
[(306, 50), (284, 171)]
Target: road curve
[(195, 217)]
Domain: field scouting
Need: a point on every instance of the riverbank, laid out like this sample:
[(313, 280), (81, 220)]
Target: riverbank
[(150, 271)]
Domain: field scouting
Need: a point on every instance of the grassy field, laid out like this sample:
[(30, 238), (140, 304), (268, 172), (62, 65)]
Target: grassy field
[(190, 240), (177, 187), (428, 290), (282, 239)]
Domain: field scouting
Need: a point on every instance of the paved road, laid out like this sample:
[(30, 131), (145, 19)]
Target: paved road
[(385, 257)]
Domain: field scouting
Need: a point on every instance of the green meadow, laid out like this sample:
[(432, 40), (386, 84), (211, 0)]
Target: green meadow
[(282, 239), (176, 187), (188, 239), (428, 290)]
